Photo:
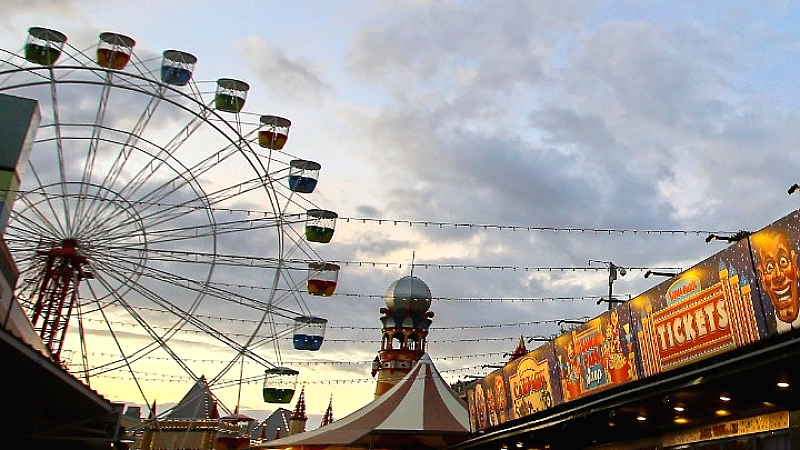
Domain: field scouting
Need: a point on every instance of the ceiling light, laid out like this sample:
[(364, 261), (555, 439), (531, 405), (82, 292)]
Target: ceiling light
[(722, 412), (641, 418), (681, 420), (783, 384), (724, 398), (678, 408)]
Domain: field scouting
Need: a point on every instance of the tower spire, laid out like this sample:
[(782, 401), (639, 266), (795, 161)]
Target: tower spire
[(520, 351), (297, 421), (327, 419)]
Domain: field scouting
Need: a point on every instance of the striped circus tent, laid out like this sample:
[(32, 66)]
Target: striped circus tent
[(420, 411)]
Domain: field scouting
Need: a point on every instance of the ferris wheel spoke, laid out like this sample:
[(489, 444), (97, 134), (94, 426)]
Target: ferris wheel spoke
[(235, 190), (273, 336), (49, 203), (59, 148), (159, 341), (104, 206), (196, 258), (193, 172), (94, 140), (162, 213), (34, 224), (139, 179), (114, 230), (133, 138), (193, 320), (172, 211), (207, 230), (87, 370), (213, 291), (209, 290), (185, 178)]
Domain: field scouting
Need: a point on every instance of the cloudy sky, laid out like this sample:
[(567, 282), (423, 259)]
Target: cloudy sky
[(498, 145)]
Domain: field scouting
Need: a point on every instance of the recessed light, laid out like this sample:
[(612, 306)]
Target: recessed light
[(783, 384), (724, 398), (641, 418), (678, 408)]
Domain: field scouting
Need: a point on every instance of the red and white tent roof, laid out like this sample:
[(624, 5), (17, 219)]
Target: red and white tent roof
[(420, 408)]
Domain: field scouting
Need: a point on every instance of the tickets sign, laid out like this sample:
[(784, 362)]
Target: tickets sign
[(708, 309)]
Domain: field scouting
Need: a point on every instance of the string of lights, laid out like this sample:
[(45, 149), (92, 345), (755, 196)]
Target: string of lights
[(356, 295), (230, 383), (341, 327), (534, 228), (329, 340), (296, 264), (315, 362), (440, 224), (144, 376), (350, 327)]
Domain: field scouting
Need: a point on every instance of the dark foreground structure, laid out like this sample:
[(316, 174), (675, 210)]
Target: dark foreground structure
[(44, 406)]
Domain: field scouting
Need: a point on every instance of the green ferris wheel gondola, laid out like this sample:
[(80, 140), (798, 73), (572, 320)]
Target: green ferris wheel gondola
[(279, 384)]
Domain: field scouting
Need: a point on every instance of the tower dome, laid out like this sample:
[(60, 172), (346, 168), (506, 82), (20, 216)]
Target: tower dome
[(408, 296)]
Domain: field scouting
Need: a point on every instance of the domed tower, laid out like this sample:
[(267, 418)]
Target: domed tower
[(405, 320)]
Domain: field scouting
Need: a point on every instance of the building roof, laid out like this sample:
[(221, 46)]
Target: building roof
[(274, 426), (198, 403), (420, 408)]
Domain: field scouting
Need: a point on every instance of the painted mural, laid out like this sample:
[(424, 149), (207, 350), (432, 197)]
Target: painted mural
[(522, 387), (533, 382), (775, 250), (488, 401), (596, 355)]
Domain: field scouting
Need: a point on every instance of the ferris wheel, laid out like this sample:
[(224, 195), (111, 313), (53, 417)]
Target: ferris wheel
[(162, 231)]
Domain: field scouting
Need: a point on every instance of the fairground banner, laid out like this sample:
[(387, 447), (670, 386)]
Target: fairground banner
[(524, 386), (742, 294), (597, 355)]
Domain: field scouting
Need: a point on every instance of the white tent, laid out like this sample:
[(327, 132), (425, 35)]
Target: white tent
[(420, 410)]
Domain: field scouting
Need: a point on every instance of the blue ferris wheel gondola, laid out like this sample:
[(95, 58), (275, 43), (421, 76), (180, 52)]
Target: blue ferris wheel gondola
[(309, 332), (303, 175)]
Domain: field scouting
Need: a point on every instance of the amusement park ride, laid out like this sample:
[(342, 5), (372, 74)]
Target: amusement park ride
[(154, 202)]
